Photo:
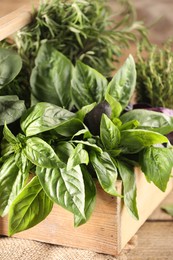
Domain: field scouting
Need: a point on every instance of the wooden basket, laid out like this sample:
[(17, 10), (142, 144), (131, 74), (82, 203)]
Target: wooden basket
[(109, 228)]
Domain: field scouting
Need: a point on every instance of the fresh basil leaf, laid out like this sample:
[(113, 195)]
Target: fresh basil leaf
[(109, 133), (127, 174), (81, 113), (134, 140), (106, 171), (29, 208), (116, 107), (150, 120), (11, 109), (43, 117), (90, 198), (132, 124), (12, 181), (69, 127), (122, 85), (51, 78), (10, 66), (41, 153), (66, 188), (88, 85), (8, 135), (157, 163), (64, 150), (78, 156), (89, 145)]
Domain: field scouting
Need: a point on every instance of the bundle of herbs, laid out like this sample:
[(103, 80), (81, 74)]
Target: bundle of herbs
[(66, 155)]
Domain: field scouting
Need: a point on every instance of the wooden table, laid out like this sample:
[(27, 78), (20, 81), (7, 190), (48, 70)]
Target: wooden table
[(155, 237)]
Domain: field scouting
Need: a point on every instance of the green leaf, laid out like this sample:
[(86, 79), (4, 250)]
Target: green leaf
[(89, 145), (11, 109), (106, 171), (66, 188), (132, 124), (64, 150), (88, 85), (12, 181), (51, 78), (29, 208), (122, 85), (157, 163), (109, 133), (168, 209), (43, 117), (127, 174), (10, 66), (8, 135), (69, 127), (78, 156), (134, 140), (90, 198), (116, 107), (150, 120), (81, 113), (41, 153)]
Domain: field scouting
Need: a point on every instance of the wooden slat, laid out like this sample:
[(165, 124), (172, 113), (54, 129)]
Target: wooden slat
[(14, 21)]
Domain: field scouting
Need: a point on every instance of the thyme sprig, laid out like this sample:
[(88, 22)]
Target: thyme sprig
[(155, 75)]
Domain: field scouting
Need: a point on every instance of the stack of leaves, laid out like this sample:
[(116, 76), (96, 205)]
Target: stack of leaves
[(66, 154), (155, 76)]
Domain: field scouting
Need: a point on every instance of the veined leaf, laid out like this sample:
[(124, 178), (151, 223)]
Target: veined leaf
[(66, 188), (40, 153), (29, 208), (12, 181), (157, 163), (90, 198), (134, 140), (150, 120), (10, 66), (129, 187), (8, 135), (51, 77), (88, 85), (43, 117), (122, 85), (11, 109), (109, 133), (78, 156), (106, 171)]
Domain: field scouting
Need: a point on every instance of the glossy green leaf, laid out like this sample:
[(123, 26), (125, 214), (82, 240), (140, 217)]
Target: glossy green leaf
[(43, 117), (12, 181), (66, 188), (8, 135), (109, 133), (64, 150), (106, 171), (11, 109), (116, 107), (69, 127), (51, 78), (40, 153), (122, 85), (150, 120), (88, 85), (10, 66), (29, 208), (127, 174), (90, 198), (81, 113), (133, 141), (78, 156), (157, 163)]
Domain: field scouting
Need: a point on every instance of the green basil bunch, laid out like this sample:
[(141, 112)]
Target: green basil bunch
[(66, 158)]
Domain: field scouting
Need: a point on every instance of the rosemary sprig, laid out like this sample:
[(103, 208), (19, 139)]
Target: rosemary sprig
[(85, 30)]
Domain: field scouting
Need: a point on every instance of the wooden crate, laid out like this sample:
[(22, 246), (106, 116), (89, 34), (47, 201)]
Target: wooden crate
[(109, 228)]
